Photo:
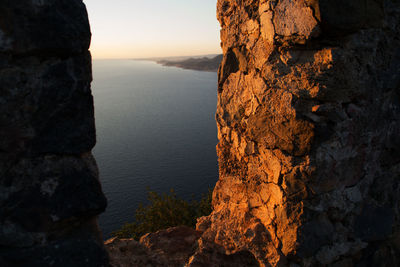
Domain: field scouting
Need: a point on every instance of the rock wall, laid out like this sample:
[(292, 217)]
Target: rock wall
[(50, 195), (308, 124)]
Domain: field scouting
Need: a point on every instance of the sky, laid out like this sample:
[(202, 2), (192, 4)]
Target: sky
[(153, 28)]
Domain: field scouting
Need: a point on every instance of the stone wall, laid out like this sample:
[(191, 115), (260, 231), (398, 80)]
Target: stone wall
[(308, 124), (50, 194)]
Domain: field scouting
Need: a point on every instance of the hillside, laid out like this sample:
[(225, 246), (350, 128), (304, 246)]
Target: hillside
[(202, 64)]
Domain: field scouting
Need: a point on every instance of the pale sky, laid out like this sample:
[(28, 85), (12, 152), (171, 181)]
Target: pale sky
[(153, 28)]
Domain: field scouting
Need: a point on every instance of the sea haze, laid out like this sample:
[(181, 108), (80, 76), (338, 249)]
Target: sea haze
[(155, 129)]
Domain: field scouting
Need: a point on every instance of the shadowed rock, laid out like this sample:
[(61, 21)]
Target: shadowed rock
[(50, 194)]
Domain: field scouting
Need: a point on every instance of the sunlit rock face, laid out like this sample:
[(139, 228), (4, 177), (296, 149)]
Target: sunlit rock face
[(308, 122), (50, 195), (169, 248)]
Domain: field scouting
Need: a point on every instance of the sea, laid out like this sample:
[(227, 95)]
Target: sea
[(155, 131)]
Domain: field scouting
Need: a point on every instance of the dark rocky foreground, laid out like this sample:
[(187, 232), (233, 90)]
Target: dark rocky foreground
[(50, 194), (308, 122)]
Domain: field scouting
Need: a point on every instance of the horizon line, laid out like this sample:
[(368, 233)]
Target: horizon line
[(157, 57)]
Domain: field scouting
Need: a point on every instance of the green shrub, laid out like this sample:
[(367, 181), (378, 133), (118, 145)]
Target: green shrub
[(165, 211)]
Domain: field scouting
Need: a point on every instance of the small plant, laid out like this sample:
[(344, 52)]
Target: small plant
[(164, 211)]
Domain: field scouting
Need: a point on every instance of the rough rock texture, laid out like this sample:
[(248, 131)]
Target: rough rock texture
[(308, 124), (50, 195), (171, 247)]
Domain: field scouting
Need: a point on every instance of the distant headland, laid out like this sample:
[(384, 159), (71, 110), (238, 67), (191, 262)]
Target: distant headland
[(201, 63)]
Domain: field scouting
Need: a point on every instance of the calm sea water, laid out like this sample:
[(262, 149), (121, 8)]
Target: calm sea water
[(155, 129)]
